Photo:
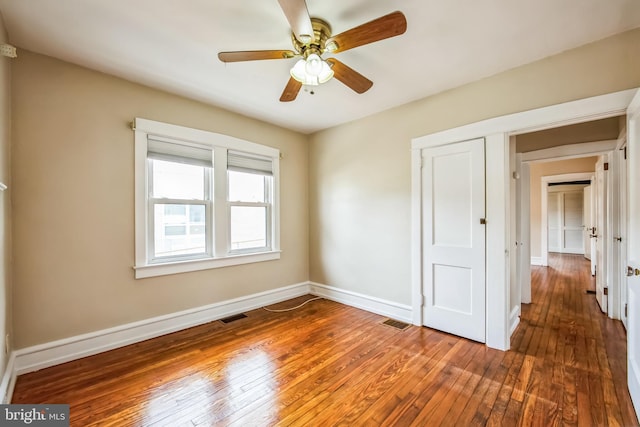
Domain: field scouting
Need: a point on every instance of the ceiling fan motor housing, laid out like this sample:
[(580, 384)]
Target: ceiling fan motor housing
[(321, 32)]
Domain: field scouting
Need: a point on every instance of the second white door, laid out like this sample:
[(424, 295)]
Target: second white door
[(453, 186)]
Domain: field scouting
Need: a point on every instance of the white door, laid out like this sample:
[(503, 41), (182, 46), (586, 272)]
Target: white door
[(633, 251), (565, 221), (572, 240), (586, 229), (453, 186), (601, 237), (554, 215), (592, 235), (623, 236)]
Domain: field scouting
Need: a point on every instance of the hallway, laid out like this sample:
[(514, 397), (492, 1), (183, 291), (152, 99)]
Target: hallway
[(565, 356)]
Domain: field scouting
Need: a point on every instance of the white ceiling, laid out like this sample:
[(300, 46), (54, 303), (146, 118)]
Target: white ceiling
[(172, 45)]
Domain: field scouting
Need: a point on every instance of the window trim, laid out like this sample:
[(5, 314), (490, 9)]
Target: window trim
[(267, 204), (221, 255)]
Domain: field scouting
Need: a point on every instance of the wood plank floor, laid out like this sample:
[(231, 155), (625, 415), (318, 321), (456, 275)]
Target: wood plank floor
[(328, 364)]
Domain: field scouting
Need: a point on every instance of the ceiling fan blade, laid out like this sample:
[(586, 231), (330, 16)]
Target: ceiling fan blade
[(255, 55), (298, 17), (291, 90), (349, 76), (390, 25)]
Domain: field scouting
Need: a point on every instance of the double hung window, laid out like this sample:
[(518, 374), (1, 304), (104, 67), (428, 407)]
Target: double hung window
[(203, 200)]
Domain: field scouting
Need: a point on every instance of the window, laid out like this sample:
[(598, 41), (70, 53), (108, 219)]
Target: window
[(203, 200)]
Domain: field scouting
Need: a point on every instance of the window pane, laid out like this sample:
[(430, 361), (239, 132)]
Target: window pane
[(248, 227), (246, 187), (175, 210), (176, 232), (177, 180)]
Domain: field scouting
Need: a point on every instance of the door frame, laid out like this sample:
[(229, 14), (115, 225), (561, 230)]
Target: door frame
[(622, 231), (544, 207), (497, 132)]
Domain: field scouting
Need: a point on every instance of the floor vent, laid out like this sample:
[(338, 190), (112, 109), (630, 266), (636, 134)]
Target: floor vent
[(396, 324), (233, 318), (590, 291)]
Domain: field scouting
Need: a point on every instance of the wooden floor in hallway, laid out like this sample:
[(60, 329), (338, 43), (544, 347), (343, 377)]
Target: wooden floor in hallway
[(328, 364)]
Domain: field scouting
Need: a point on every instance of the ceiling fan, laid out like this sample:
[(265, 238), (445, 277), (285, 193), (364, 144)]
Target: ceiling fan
[(311, 38)]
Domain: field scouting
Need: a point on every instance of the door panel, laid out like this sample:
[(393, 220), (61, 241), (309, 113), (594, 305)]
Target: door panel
[(565, 222), (572, 222), (633, 251), (454, 239), (553, 217)]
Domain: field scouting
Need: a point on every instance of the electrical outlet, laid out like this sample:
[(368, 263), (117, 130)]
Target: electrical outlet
[(7, 344)]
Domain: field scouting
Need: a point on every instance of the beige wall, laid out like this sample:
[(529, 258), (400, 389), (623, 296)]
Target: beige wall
[(597, 130), (5, 199), (360, 186), (74, 203), (537, 171), (345, 196)]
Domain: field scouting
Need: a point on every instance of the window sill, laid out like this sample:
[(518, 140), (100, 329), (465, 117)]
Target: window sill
[(152, 270)]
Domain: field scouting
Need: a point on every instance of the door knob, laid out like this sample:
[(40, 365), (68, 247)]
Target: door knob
[(632, 271)]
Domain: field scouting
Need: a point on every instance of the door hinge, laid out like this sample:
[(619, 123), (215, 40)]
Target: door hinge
[(626, 313), (605, 291), (606, 166), (625, 153)]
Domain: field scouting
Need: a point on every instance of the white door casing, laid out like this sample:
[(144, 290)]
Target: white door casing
[(496, 132), (624, 218), (586, 229), (633, 251), (453, 186), (601, 233), (594, 218), (525, 232), (544, 196)]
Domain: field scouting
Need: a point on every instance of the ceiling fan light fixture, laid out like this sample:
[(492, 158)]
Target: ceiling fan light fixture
[(313, 65), (312, 71), (331, 46), (305, 38)]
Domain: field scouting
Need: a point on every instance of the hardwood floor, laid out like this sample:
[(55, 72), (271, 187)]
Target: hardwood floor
[(329, 364)]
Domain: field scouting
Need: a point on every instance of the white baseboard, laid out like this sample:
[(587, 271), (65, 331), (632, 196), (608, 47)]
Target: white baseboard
[(514, 319), (536, 260), (379, 306), (53, 353), (8, 380)]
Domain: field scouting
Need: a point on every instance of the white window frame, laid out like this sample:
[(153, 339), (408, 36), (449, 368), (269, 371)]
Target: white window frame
[(220, 254), (267, 205)]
